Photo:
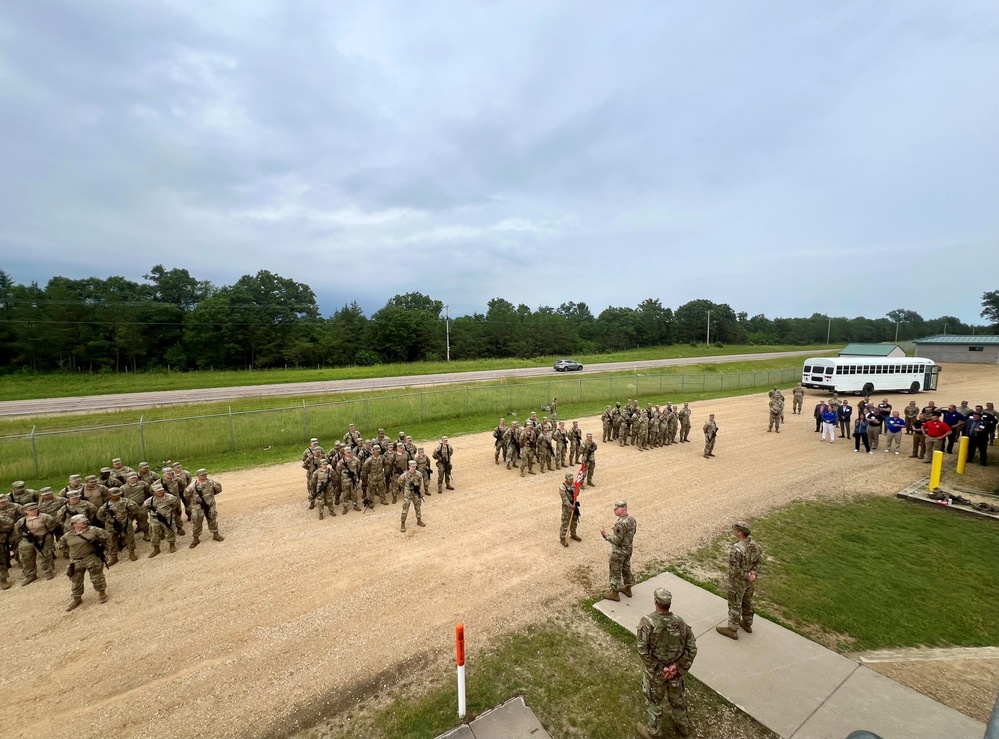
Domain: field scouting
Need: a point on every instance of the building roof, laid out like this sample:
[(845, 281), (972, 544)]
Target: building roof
[(867, 350), (959, 340)]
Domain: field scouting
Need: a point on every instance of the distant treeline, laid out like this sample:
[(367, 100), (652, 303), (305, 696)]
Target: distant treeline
[(264, 320)]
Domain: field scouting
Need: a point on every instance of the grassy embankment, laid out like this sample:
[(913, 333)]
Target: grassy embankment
[(872, 573), (62, 385), (264, 431)]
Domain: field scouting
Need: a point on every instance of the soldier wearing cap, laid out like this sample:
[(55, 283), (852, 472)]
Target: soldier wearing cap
[(349, 470), (511, 445), (398, 466), (684, 417), (105, 478), (85, 545), (589, 458), (183, 477), (353, 438), (76, 504), (743, 564), (321, 488), (94, 491), (621, 540), (117, 515), (667, 647), (10, 513), (373, 473), (137, 491), (413, 489), (575, 443), (22, 495), (560, 437), (498, 434), (201, 492), (35, 532), (710, 434), (119, 473), (309, 455), (384, 442), (176, 488), (50, 503), (570, 511), (423, 465), (164, 512), (74, 484), (443, 454), (147, 475)]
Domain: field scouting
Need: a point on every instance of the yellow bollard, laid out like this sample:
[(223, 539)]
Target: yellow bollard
[(935, 470), (962, 454)]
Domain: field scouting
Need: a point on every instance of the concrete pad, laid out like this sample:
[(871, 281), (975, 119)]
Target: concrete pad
[(700, 609), (512, 719), (870, 701)]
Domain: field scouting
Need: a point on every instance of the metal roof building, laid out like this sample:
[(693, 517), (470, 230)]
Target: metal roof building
[(871, 350), (967, 349)]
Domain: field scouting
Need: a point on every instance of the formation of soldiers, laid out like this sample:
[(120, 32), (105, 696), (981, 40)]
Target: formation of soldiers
[(646, 428), (97, 520), (357, 471), (547, 443)]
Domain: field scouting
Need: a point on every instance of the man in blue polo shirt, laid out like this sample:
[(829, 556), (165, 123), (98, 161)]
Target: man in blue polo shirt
[(895, 425), (828, 424), (956, 420)]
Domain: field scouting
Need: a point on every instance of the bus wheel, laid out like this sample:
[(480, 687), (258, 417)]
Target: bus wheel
[(914, 387), (869, 389)]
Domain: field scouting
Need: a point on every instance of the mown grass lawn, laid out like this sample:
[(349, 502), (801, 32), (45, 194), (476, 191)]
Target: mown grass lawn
[(62, 385), (873, 573)]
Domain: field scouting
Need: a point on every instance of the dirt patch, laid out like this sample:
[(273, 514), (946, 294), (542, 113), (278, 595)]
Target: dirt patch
[(242, 637), (966, 685)]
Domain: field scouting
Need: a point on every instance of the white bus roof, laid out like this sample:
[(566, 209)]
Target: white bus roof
[(833, 361)]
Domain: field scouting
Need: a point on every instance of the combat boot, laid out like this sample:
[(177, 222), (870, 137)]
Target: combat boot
[(643, 731), (49, 575), (145, 537), (320, 514), (180, 531), (131, 555), (156, 550), (5, 584), (448, 487), (419, 522), (729, 632), (748, 628), (564, 542), (346, 508), (383, 501), (217, 537), (102, 596), (590, 484), (76, 603), (508, 466), (173, 547), (394, 499), (403, 527), (613, 595), (28, 580), (627, 591), (576, 538), (194, 542), (312, 504), (440, 491), (112, 560)]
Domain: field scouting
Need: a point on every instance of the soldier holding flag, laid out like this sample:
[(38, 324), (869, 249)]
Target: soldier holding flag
[(569, 491)]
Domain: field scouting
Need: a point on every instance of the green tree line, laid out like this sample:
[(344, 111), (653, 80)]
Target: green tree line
[(173, 320)]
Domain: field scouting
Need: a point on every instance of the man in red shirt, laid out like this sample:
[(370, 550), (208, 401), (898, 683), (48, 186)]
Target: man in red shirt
[(936, 432)]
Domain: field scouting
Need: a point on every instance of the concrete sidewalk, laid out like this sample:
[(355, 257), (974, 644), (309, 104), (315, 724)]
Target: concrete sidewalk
[(512, 720), (793, 686)]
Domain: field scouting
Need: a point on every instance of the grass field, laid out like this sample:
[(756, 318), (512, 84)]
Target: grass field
[(269, 431), (874, 573), (27, 386), (579, 679)]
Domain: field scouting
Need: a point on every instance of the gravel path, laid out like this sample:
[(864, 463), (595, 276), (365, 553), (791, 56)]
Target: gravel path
[(256, 635), (80, 404)]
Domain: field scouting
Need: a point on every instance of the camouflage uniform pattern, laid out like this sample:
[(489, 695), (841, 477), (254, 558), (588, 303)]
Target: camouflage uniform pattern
[(116, 516), (743, 558), (373, 478), (413, 489), (321, 490), (202, 496), (569, 519), (665, 639), (797, 398), (589, 458), (621, 540), (163, 512), (36, 539), (82, 548)]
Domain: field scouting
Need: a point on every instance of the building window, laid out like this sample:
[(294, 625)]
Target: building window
[(976, 348)]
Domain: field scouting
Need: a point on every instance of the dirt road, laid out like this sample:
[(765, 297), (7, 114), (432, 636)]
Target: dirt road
[(80, 404), (291, 616)]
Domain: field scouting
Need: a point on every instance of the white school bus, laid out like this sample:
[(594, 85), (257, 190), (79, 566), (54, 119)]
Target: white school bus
[(869, 375)]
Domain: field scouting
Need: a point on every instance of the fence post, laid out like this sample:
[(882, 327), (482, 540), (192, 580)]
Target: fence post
[(142, 436), (580, 399), (683, 381), (421, 406), (722, 376), (305, 421), (232, 430), (511, 399), (34, 452), (468, 401)]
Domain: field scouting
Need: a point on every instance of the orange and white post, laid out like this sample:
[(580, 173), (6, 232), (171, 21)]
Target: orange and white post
[(459, 646)]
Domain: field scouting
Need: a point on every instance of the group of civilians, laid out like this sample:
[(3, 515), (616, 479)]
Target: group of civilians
[(931, 428)]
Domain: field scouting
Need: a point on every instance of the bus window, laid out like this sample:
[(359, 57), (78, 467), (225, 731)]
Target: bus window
[(807, 369), (829, 370)]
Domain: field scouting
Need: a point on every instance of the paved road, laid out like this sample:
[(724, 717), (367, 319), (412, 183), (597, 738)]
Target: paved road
[(297, 389)]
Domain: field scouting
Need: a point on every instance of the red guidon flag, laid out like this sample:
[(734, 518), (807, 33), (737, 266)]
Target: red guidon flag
[(580, 476)]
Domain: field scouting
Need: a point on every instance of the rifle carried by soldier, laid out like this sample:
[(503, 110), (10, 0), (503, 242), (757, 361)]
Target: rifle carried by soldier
[(202, 502)]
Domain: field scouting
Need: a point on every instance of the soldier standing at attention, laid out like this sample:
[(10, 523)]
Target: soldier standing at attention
[(176, 488), (911, 414), (184, 478), (527, 441), (575, 443), (570, 511), (119, 472), (443, 454), (743, 564), (498, 433), (321, 489), (797, 398), (561, 438), (137, 491), (116, 516), (423, 465), (35, 534), (76, 504), (411, 482), (511, 445), (398, 466), (94, 492), (353, 438), (607, 421), (373, 476), (621, 539), (350, 480), (673, 420), (22, 495), (667, 647), (776, 410), (164, 511), (201, 492), (308, 454), (147, 475), (85, 545), (684, 416), (10, 513), (589, 458), (710, 432), (74, 485)]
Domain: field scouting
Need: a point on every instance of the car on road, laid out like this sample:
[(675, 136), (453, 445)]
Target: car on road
[(567, 365)]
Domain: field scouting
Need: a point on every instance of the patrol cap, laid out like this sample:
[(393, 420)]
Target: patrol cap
[(74, 477), (313, 439), (74, 493), (663, 597), (177, 464), (420, 448), (18, 485), (105, 469), (167, 469), (157, 488), (741, 526), (116, 460), (381, 431), (569, 475), (91, 478), (143, 464), (621, 504), (45, 491), (412, 463), (202, 471), (589, 434), (29, 506), (443, 438), (132, 474), (402, 434), (116, 492), (376, 448), (79, 518)]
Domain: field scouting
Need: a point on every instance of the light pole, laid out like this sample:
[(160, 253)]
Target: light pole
[(828, 329), (896, 332), (447, 330), (707, 341)]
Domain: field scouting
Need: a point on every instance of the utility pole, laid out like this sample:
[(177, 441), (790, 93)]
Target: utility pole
[(707, 342), (896, 332), (447, 330)]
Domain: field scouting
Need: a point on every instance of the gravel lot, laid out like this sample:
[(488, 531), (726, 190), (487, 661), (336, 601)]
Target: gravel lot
[(258, 634)]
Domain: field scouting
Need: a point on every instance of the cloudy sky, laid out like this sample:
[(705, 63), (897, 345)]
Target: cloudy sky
[(786, 157)]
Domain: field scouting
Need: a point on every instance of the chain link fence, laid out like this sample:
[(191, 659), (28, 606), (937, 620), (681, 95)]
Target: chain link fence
[(44, 454)]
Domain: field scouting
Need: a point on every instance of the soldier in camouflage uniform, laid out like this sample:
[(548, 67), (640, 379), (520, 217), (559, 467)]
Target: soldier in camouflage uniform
[(543, 447), (350, 481), (321, 488), (10, 514), (119, 473), (621, 540), (75, 504), (353, 438), (183, 478), (776, 410), (607, 421), (35, 534), (589, 458), (105, 478), (176, 488), (311, 463), (373, 475), (137, 491), (684, 417), (797, 398), (201, 492), (163, 511), (527, 450), (94, 491), (74, 484), (50, 503), (85, 546), (443, 454), (710, 432), (423, 465), (743, 565), (511, 445), (410, 447), (575, 443), (398, 463), (116, 516), (22, 495), (643, 431), (498, 433), (147, 475), (413, 489), (570, 511), (911, 413), (667, 647), (673, 425), (561, 439), (308, 455)]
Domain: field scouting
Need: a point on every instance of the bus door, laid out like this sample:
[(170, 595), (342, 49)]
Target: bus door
[(932, 377)]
